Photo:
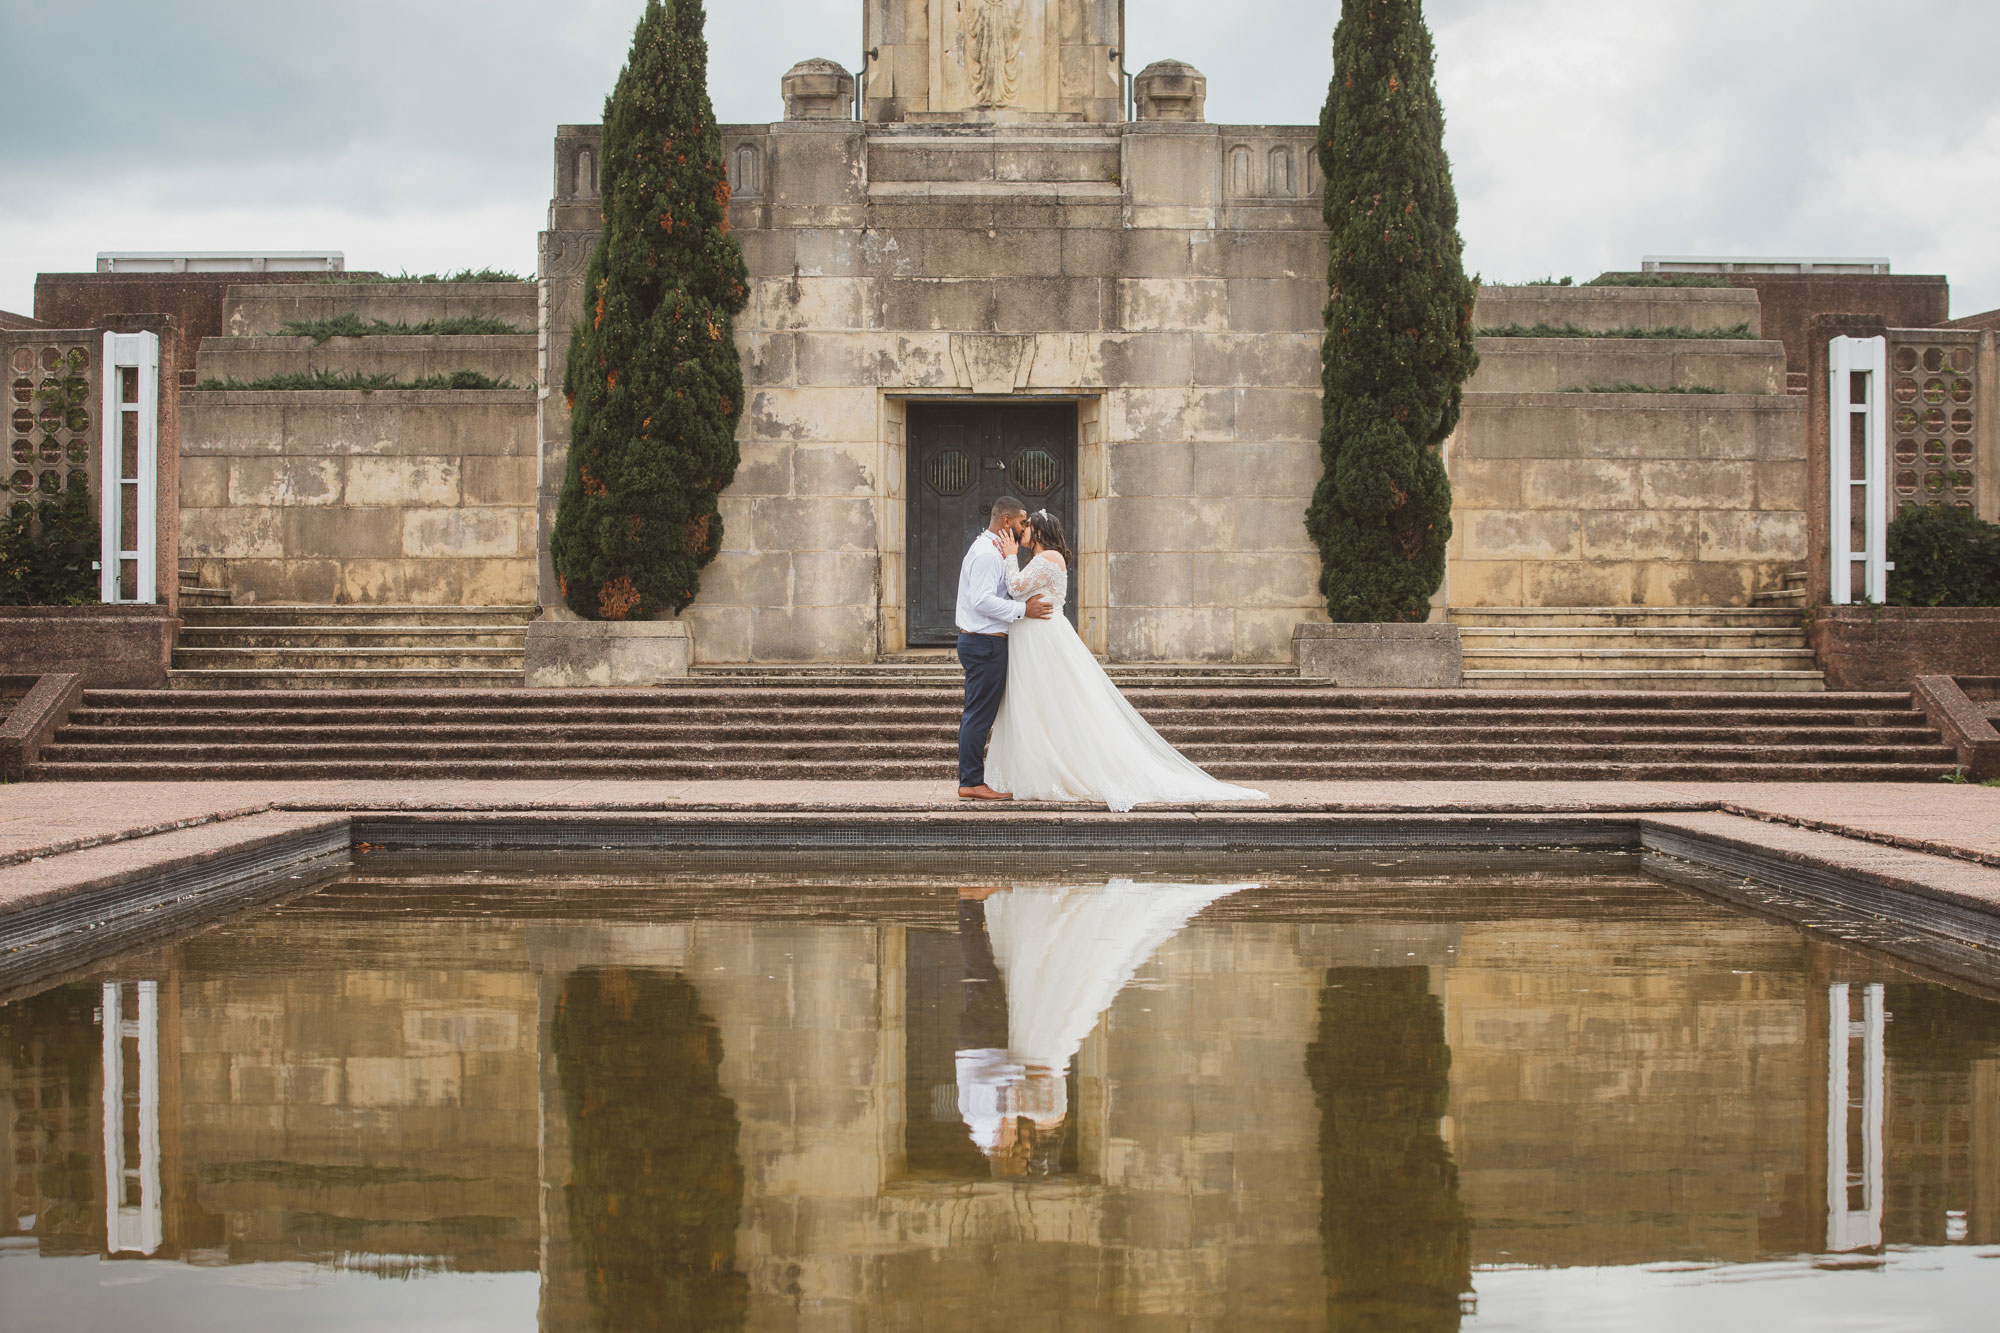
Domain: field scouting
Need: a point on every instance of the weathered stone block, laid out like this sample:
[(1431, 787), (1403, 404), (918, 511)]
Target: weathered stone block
[(231, 533), (467, 533), (1781, 485), (835, 578), (721, 633), (342, 534), (1172, 304), (1151, 469), (1291, 360), (1578, 483), (1263, 579), (1701, 583), (1428, 657), (747, 578), (1697, 484), (1277, 414), (1287, 472), (1753, 535), (597, 654), (817, 414), (265, 580), (834, 469), (1275, 305), (501, 480), (1483, 483), (1485, 583), (812, 525), (1579, 583), (1270, 524), (764, 467), (278, 482), (204, 483), (1518, 534), (779, 304), (1172, 634), (432, 482), (1141, 360), (1180, 523), (813, 634), (1151, 579), (1639, 535)]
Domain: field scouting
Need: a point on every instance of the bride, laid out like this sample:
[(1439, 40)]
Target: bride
[(1064, 732)]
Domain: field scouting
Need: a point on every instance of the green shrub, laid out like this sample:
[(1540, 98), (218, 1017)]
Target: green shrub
[(1633, 386), (462, 275), (365, 381), (654, 384), (1658, 280), (351, 325), (1676, 331), (1398, 346), (1943, 556), (48, 547)]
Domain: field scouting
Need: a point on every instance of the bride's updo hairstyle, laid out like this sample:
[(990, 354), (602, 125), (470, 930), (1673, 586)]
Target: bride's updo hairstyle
[(1047, 530)]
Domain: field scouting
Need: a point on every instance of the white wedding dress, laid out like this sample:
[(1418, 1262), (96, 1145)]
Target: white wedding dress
[(1065, 733), (1063, 955)]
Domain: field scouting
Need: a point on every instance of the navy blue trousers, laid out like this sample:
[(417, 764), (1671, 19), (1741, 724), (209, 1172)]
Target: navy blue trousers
[(984, 657)]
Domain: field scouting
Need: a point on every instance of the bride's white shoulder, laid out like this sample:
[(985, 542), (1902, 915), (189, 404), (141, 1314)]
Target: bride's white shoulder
[(1053, 558)]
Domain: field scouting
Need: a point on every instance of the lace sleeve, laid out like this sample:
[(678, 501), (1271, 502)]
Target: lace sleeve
[(1038, 577)]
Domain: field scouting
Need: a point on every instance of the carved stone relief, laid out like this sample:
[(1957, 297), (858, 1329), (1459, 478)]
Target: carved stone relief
[(995, 55)]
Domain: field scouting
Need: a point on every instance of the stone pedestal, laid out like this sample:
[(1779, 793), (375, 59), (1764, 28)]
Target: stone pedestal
[(120, 647), (1414, 657), (598, 654)]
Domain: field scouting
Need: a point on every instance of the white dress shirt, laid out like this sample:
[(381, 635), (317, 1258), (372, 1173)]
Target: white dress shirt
[(983, 604)]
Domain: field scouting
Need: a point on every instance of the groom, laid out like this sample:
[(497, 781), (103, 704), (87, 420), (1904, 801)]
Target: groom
[(984, 613)]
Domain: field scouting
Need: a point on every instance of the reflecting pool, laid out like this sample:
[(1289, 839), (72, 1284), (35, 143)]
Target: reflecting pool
[(1360, 1092)]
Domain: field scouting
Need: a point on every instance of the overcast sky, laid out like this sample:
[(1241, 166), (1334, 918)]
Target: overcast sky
[(415, 134)]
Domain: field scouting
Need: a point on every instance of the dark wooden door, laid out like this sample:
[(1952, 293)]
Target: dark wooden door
[(963, 457)]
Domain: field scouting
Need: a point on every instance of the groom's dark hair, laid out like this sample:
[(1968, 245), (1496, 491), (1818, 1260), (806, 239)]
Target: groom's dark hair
[(1006, 504)]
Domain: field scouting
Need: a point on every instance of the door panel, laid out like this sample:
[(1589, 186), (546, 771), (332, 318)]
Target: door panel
[(963, 457)]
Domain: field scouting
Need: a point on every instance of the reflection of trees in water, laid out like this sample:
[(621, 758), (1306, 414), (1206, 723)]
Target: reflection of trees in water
[(655, 1186), (55, 1058), (1398, 1248)]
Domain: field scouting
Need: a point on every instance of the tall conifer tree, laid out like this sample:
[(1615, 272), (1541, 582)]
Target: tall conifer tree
[(654, 384), (1398, 343)]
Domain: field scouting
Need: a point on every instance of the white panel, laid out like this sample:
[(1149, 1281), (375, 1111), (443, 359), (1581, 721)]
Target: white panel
[(139, 351)]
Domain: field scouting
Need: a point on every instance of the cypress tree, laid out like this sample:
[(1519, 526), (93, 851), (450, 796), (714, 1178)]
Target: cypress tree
[(653, 380), (1398, 343)]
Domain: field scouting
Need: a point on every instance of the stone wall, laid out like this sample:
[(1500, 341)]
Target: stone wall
[(1167, 278), (1691, 496), (397, 496)]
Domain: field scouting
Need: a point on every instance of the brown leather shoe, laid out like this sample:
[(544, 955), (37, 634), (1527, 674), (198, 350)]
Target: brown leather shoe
[(983, 793)]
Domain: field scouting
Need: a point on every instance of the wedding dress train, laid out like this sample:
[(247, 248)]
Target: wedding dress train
[(1065, 733), (1063, 954)]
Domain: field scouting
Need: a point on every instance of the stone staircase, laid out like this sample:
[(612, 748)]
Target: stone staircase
[(1751, 649), (748, 725), (252, 647)]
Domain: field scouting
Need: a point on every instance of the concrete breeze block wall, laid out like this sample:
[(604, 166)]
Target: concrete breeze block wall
[(1168, 278), (396, 496)]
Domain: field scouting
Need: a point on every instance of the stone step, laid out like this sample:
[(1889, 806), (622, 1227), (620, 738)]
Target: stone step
[(1686, 770), (1177, 727), (194, 597), (1486, 638), (1552, 365), (437, 638), (451, 657), (1557, 678), (508, 357), (262, 308), (837, 751), (357, 614), (1662, 617), (1639, 659), (621, 704), (343, 679)]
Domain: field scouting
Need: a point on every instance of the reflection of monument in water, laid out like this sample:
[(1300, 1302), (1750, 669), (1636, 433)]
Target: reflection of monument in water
[(736, 1111)]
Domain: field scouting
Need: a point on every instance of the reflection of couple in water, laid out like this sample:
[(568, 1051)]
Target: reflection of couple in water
[(1041, 965)]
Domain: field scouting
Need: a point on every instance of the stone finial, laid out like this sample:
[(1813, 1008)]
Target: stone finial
[(1170, 90), (818, 90)]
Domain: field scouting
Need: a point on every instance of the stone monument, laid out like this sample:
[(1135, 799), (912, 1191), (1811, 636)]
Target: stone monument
[(996, 281)]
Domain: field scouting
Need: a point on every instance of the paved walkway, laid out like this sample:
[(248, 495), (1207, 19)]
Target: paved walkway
[(49, 819)]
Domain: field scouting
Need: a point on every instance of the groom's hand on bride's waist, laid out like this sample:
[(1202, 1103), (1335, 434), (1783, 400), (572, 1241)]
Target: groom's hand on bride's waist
[(1039, 608)]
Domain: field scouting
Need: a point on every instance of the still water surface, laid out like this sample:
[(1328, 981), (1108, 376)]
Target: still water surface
[(1535, 1093)]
